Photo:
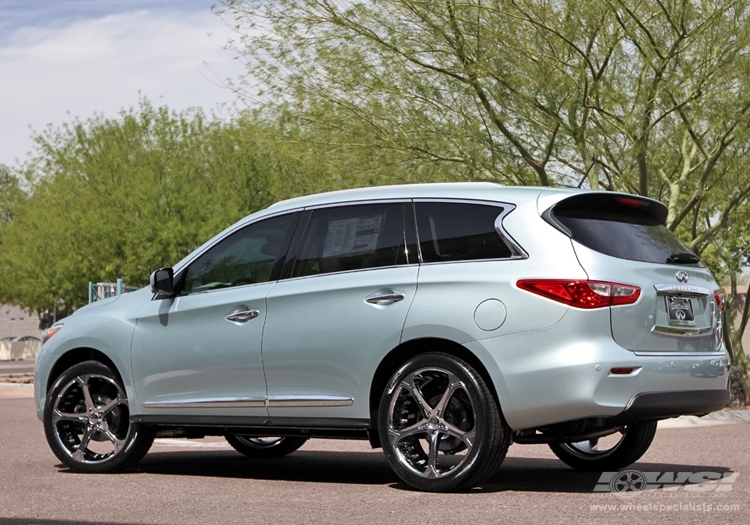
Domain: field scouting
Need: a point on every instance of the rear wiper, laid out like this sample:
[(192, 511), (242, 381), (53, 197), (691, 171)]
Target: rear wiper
[(682, 258)]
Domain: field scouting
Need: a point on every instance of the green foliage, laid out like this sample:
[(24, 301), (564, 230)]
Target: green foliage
[(648, 97), (120, 197), (737, 384)]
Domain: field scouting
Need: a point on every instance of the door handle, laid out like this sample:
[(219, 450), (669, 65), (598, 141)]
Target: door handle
[(242, 314), (385, 297)]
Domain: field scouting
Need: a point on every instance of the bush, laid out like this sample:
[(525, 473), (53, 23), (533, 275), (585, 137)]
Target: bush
[(737, 385)]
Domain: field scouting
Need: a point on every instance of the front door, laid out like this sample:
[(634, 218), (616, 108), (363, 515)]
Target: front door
[(199, 354)]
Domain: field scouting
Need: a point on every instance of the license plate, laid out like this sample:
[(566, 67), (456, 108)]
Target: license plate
[(680, 310)]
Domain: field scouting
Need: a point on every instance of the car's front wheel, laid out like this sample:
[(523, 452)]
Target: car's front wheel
[(440, 426), (613, 452), (264, 447), (87, 421)]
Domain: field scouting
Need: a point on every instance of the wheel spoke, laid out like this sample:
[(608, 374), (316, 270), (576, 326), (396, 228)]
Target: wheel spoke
[(466, 437), (83, 382), (106, 409), (64, 416), (432, 468), (398, 435), (453, 385), (118, 443), (85, 439), (408, 383)]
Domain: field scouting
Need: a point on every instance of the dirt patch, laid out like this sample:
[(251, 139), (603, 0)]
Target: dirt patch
[(20, 379)]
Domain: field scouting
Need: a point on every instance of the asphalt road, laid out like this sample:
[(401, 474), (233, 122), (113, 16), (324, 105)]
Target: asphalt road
[(327, 481)]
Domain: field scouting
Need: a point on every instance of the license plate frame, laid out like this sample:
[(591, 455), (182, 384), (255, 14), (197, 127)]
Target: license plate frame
[(680, 310)]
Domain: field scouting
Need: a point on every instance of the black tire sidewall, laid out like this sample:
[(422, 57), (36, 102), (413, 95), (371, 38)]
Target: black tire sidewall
[(283, 448), (635, 443)]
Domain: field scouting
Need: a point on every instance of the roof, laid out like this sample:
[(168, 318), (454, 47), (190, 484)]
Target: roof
[(453, 190)]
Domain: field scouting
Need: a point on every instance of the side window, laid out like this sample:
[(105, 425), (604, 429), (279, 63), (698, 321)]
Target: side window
[(245, 257), (452, 231), (352, 238)]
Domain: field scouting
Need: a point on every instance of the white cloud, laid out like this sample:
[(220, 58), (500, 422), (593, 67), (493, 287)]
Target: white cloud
[(50, 74)]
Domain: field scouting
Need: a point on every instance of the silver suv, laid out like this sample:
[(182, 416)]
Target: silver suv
[(441, 322)]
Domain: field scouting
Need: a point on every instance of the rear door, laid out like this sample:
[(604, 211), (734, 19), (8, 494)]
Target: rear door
[(623, 238), (340, 309)]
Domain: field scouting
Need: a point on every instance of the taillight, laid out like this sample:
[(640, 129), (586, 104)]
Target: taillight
[(582, 293), (721, 300)]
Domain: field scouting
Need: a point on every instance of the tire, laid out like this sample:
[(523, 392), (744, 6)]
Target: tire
[(264, 447), (438, 403), (593, 455), (87, 421)]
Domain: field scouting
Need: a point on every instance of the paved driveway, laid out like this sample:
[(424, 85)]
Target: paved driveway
[(327, 481)]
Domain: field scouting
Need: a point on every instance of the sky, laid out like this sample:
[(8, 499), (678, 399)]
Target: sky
[(66, 59)]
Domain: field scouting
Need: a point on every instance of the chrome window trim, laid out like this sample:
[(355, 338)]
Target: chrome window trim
[(357, 270), (517, 252)]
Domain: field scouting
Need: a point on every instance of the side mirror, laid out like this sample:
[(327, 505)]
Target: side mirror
[(162, 282)]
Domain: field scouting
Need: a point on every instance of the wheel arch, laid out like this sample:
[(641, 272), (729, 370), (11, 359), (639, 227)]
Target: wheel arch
[(405, 351), (76, 356)]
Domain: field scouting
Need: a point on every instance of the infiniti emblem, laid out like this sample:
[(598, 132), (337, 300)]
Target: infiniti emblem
[(682, 276)]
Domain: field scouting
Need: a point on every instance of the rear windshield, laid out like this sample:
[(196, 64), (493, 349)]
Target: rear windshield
[(623, 227)]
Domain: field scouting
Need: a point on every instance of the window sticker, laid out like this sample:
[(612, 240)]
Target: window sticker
[(351, 236)]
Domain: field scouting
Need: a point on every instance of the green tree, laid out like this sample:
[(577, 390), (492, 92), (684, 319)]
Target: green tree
[(649, 97), (119, 197)]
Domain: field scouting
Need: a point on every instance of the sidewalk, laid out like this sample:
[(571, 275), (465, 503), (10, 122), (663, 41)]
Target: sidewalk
[(722, 417), (16, 391)]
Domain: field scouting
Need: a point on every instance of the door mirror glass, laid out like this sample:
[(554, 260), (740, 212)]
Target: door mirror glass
[(162, 281)]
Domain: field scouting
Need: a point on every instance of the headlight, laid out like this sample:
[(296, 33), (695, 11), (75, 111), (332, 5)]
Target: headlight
[(49, 332)]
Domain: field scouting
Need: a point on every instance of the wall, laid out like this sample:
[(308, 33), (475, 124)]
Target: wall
[(16, 322)]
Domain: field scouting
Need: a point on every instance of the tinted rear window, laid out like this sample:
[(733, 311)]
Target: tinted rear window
[(459, 232), (358, 237), (619, 227)]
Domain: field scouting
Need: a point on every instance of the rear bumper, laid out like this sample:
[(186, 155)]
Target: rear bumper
[(662, 405)]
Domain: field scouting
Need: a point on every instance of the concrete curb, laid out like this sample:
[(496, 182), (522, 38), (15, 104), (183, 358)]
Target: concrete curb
[(16, 391), (722, 417)]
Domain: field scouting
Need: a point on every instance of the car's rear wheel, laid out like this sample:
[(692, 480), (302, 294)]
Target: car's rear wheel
[(87, 421), (440, 426), (613, 452), (265, 447)]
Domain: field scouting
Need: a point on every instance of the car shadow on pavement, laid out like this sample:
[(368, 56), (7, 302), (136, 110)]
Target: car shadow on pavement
[(371, 468)]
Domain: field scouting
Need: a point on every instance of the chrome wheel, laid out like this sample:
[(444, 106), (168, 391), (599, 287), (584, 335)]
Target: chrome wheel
[(265, 447), (624, 446), (431, 413), (439, 424), (90, 416), (87, 421)]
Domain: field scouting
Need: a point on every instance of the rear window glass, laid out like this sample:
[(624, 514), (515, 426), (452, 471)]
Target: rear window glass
[(352, 238), (450, 231), (623, 231)]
